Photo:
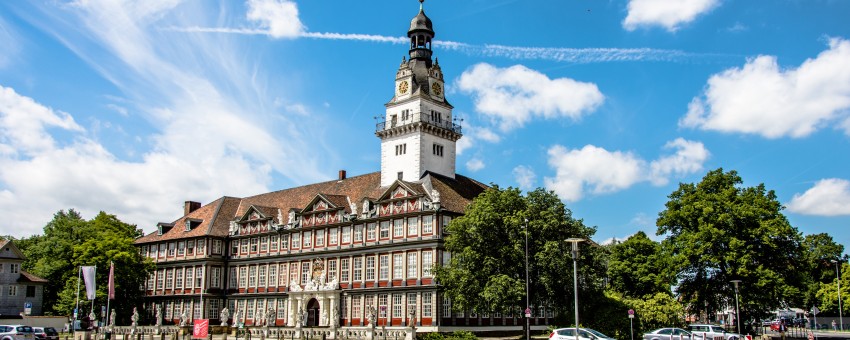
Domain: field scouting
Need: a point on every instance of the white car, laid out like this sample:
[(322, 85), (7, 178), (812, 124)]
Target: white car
[(712, 332), (15, 332), (583, 334), (670, 334)]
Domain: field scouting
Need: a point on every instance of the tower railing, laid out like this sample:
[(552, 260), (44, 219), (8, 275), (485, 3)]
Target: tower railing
[(413, 118)]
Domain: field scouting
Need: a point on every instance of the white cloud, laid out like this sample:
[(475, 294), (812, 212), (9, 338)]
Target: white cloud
[(525, 177), (665, 13), (829, 197), (475, 164), (24, 123), (600, 171), (513, 96), (688, 159), (763, 99), (280, 17)]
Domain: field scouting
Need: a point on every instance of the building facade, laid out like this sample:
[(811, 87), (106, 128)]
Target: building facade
[(20, 292), (331, 253)]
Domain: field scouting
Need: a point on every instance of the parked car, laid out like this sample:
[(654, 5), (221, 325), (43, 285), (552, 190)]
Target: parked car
[(16, 332), (669, 334), (710, 332), (583, 334), (45, 333)]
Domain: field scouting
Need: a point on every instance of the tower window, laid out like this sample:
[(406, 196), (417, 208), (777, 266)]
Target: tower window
[(401, 149), (436, 117), (405, 115), (438, 150)]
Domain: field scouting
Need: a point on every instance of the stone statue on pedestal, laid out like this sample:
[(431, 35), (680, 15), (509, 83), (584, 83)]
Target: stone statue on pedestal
[(223, 316)]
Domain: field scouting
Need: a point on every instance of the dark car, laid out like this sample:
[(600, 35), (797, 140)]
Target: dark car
[(45, 333)]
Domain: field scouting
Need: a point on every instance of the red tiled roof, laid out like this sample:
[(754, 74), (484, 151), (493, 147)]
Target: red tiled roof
[(27, 277), (455, 196)]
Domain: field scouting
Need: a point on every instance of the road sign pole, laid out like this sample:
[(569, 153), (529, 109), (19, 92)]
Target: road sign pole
[(631, 322)]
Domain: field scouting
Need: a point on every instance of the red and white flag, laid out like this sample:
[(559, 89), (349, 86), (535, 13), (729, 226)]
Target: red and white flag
[(111, 281)]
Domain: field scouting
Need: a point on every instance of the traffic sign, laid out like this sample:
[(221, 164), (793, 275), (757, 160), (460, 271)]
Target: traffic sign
[(27, 308), (631, 313), (815, 310), (527, 312)]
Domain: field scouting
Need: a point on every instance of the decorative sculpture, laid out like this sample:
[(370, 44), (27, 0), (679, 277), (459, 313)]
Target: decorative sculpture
[(135, 317), (184, 317), (270, 317), (294, 286), (223, 316), (92, 319), (260, 318), (237, 318), (112, 318), (412, 318)]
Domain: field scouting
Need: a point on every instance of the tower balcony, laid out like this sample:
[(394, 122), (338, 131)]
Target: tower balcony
[(423, 120)]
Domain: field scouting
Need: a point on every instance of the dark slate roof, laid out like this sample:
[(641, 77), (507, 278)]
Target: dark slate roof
[(455, 196), (27, 277)]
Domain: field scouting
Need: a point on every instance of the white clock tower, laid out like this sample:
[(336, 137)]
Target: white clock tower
[(418, 133)]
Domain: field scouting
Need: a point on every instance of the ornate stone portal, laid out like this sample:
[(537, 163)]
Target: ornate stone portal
[(325, 294)]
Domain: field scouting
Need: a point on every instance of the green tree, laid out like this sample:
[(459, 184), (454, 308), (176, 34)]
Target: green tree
[(719, 231), (69, 242), (486, 271), (637, 267), (827, 294), (819, 250)]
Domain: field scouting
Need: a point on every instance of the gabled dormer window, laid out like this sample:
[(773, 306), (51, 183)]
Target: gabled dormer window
[(192, 223)]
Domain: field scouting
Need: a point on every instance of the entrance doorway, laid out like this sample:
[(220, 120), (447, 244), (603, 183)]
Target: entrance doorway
[(313, 313)]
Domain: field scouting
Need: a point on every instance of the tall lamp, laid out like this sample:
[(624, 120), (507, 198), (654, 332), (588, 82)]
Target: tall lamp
[(737, 311), (527, 303), (838, 279), (575, 241)]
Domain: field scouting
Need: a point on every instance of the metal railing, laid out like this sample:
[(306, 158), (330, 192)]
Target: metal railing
[(418, 118)]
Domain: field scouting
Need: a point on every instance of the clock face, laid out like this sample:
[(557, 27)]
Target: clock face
[(403, 86), (437, 89)]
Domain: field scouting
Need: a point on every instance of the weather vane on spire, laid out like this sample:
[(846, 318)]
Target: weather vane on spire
[(420, 4)]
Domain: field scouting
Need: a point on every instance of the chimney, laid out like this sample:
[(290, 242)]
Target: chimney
[(190, 206), (341, 175)]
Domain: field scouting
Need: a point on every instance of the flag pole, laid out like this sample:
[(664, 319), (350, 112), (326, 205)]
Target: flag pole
[(95, 294), (77, 303), (109, 292)]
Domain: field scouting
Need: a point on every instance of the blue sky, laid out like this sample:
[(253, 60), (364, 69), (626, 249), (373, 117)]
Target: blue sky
[(133, 107)]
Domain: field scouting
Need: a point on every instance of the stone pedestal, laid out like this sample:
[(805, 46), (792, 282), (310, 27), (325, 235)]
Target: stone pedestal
[(410, 333), (86, 335)]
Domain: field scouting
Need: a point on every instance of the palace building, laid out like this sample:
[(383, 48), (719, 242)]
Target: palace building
[(326, 254)]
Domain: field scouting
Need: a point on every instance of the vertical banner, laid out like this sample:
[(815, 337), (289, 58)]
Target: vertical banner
[(111, 281), (201, 329), (88, 278)]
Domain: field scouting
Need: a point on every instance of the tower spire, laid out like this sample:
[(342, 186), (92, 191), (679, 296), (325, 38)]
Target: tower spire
[(420, 4)]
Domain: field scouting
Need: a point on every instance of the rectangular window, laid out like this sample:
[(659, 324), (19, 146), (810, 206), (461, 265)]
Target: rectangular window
[(199, 277), (216, 247), (358, 233), (355, 307), (358, 269), (252, 276), (397, 266), (447, 307), (151, 281), (427, 263), (179, 281), (281, 308), (13, 290), (370, 231), (244, 249), (215, 277), (162, 250), (196, 314), (284, 273), (445, 221), (171, 248), (384, 266), (412, 226), (243, 277), (320, 238), (284, 242), (385, 229), (264, 244), (190, 247), (262, 273), (401, 149), (190, 277), (332, 270), (333, 237), (346, 235), (382, 305), (427, 310), (370, 302), (308, 239), (233, 278), (343, 267), (411, 303), (411, 265), (305, 272), (438, 150), (273, 243), (255, 244), (215, 305), (249, 311), (234, 247), (273, 274), (398, 228), (427, 224), (296, 240), (397, 305), (30, 291), (169, 278), (151, 254), (201, 247), (370, 268), (293, 273)]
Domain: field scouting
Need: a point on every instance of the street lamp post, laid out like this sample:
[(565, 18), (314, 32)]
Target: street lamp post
[(527, 303), (838, 279), (737, 311), (574, 241)]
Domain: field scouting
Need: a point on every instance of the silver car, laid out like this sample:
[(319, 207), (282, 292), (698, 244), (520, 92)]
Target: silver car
[(16, 332), (670, 334), (712, 332)]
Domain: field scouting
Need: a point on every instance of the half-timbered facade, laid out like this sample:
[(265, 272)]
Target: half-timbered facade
[(327, 254)]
